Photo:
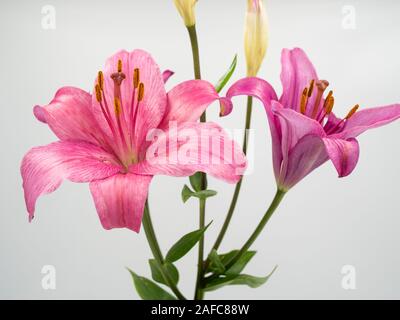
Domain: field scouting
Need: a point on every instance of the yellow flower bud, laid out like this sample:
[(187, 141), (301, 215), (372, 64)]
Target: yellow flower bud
[(186, 10), (256, 36)]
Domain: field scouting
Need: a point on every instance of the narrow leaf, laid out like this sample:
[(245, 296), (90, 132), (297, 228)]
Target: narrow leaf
[(238, 267), (185, 244), (228, 74), (148, 290), (169, 269), (243, 279)]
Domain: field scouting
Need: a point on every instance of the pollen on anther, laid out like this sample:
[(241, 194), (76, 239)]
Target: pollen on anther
[(352, 112), (329, 104), (303, 103), (100, 79), (119, 65), (136, 78), (310, 91), (98, 93), (141, 91)]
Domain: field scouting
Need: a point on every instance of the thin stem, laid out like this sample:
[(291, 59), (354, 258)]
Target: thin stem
[(155, 249), (195, 51), (199, 294), (239, 184), (274, 205)]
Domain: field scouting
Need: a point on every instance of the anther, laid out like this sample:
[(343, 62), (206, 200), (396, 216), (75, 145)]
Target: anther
[(310, 91), (303, 103), (328, 98), (100, 80), (119, 66), (329, 104), (136, 78), (98, 93), (141, 92), (352, 112)]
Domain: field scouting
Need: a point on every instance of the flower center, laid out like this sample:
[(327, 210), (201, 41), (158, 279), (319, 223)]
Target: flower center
[(122, 119), (312, 106)]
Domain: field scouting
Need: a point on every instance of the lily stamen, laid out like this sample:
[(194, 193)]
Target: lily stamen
[(304, 100), (349, 115), (321, 86)]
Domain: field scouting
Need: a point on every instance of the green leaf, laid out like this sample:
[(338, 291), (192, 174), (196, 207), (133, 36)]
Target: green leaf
[(242, 279), (169, 269), (238, 267), (185, 244), (228, 74), (216, 266), (187, 193), (196, 181), (148, 290)]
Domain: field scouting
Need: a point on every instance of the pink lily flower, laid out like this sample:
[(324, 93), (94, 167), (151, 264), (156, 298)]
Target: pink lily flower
[(305, 132), (104, 138)]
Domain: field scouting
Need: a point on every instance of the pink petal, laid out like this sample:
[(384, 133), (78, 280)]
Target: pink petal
[(44, 168), (69, 116), (343, 153), (297, 72), (120, 200), (368, 119), (293, 127), (263, 91), (188, 100), (254, 87), (167, 74), (308, 154), (151, 109), (193, 147)]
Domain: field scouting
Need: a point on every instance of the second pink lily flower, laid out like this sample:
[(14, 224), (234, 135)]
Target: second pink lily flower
[(305, 132), (104, 139)]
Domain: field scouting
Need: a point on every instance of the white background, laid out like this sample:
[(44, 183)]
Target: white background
[(324, 224)]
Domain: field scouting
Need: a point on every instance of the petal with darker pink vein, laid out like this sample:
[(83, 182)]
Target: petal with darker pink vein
[(369, 119), (343, 153), (167, 74), (69, 116), (137, 117), (297, 72), (44, 168), (293, 127), (187, 101), (193, 147), (262, 90), (308, 154), (120, 200)]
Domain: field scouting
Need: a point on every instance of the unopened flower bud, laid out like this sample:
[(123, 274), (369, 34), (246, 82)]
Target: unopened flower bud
[(186, 10), (256, 36)]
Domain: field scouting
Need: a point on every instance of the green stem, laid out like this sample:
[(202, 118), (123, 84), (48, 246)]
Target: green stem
[(274, 205), (155, 249), (195, 51), (239, 184), (199, 294)]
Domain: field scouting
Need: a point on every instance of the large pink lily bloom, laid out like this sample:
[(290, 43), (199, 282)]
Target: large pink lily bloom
[(305, 132), (104, 138)]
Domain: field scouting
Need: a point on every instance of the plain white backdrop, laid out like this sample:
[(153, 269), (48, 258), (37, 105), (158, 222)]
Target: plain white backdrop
[(324, 224)]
